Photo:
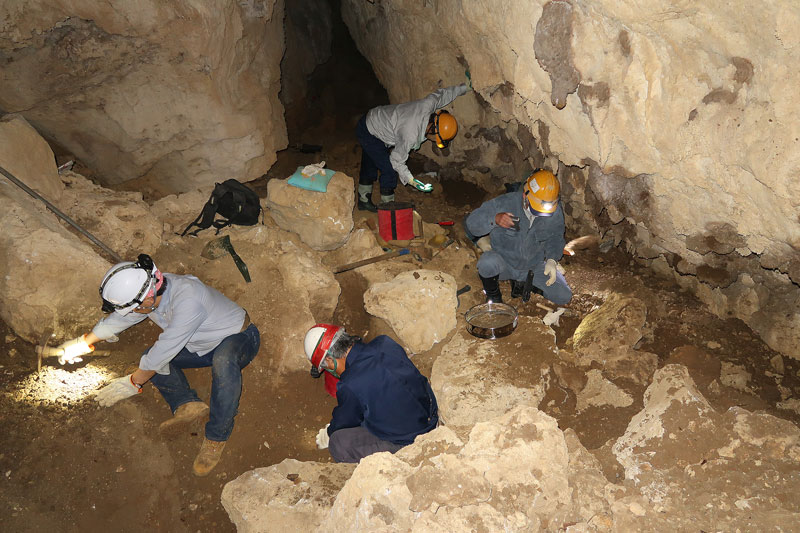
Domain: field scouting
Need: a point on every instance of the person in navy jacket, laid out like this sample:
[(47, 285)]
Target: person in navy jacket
[(384, 402)]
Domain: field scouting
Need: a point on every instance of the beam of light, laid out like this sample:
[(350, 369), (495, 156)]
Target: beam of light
[(59, 387)]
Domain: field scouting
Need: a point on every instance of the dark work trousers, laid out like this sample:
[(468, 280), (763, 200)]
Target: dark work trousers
[(374, 157), (350, 445)]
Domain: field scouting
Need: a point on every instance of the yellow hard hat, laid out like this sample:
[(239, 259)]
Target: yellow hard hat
[(445, 128), (541, 192)]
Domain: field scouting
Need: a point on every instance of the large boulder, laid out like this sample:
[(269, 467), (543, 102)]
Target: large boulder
[(419, 305), (323, 220), (28, 157), (121, 220), (289, 496), (49, 274), (721, 470), (175, 93), (607, 337), (513, 370), (474, 485)]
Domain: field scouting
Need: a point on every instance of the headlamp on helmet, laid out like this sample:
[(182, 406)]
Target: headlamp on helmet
[(444, 127), (541, 192), (126, 285)]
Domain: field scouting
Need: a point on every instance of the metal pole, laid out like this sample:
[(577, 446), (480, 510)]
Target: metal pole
[(61, 215)]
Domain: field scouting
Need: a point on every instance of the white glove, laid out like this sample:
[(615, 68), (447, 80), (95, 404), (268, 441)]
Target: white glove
[(551, 319), (117, 390), (71, 351), (550, 269), (316, 168), (322, 438)]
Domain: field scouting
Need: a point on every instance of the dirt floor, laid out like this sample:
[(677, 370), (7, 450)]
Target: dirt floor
[(67, 464)]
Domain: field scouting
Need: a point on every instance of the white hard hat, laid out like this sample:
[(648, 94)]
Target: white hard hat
[(318, 340), (126, 285)]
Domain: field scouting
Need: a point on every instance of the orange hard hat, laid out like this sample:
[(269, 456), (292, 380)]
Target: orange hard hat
[(445, 128), (541, 193)]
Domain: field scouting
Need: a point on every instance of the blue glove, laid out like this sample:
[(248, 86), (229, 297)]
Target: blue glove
[(469, 79)]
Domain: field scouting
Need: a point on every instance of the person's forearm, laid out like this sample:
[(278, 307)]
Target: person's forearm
[(140, 377), (91, 338)]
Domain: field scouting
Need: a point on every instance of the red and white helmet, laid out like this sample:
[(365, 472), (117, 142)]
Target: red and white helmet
[(318, 341)]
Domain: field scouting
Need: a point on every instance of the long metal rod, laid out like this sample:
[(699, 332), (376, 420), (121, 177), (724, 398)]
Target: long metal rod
[(61, 215)]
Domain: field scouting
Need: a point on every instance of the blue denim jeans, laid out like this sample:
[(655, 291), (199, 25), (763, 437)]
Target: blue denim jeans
[(375, 157), (226, 361)]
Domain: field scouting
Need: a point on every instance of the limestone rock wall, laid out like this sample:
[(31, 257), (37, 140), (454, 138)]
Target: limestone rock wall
[(673, 127), (178, 93)]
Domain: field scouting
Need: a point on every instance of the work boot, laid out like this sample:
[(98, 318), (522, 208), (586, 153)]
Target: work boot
[(208, 457), (184, 417), (491, 287), (386, 198), (367, 205), (364, 200)]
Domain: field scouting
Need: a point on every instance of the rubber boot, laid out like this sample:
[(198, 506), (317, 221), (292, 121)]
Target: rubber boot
[(492, 289), (387, 195), (517, 287), (364, 200), (208, 457), (183, 419)]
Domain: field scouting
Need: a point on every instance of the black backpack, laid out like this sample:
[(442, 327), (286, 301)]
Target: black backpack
[(234, 201)]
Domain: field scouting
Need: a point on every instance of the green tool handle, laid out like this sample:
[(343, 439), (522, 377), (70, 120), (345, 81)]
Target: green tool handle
[(240, 265)]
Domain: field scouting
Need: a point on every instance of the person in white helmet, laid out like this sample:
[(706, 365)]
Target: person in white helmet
[(201, 328), (383, 402)]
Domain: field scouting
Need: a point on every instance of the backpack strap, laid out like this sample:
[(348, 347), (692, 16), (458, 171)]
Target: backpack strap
[(205, 219)]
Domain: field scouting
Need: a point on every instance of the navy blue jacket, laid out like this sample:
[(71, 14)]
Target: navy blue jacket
[(383, 391), (528, 247)]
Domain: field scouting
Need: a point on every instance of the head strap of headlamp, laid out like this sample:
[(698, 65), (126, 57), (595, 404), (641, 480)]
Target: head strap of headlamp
[(145, 262)]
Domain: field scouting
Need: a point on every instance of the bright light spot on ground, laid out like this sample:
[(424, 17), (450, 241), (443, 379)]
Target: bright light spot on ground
[(56, 387)]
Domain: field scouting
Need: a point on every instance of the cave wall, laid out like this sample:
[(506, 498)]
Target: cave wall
[(674, 125), (173, 94)]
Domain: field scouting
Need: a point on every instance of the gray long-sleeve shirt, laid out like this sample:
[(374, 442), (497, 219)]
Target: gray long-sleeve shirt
[(403, 125), (191, 314)]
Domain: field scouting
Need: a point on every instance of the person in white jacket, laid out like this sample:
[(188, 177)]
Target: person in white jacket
[(201, 328), (388, 133)]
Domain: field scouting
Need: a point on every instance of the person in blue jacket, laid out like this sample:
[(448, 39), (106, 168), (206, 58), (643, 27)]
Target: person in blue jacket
[(384, 402), (526, 232)]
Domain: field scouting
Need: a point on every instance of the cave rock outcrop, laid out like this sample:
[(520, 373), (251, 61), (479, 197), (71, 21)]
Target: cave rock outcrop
[(419, 305), (323, 220), (178, 94), (688, 159)]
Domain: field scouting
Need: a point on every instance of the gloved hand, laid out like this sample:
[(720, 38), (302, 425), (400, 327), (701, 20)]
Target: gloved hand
[(550, 269), (117, 390), (424, 187), (71, 351), (322, 438)]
